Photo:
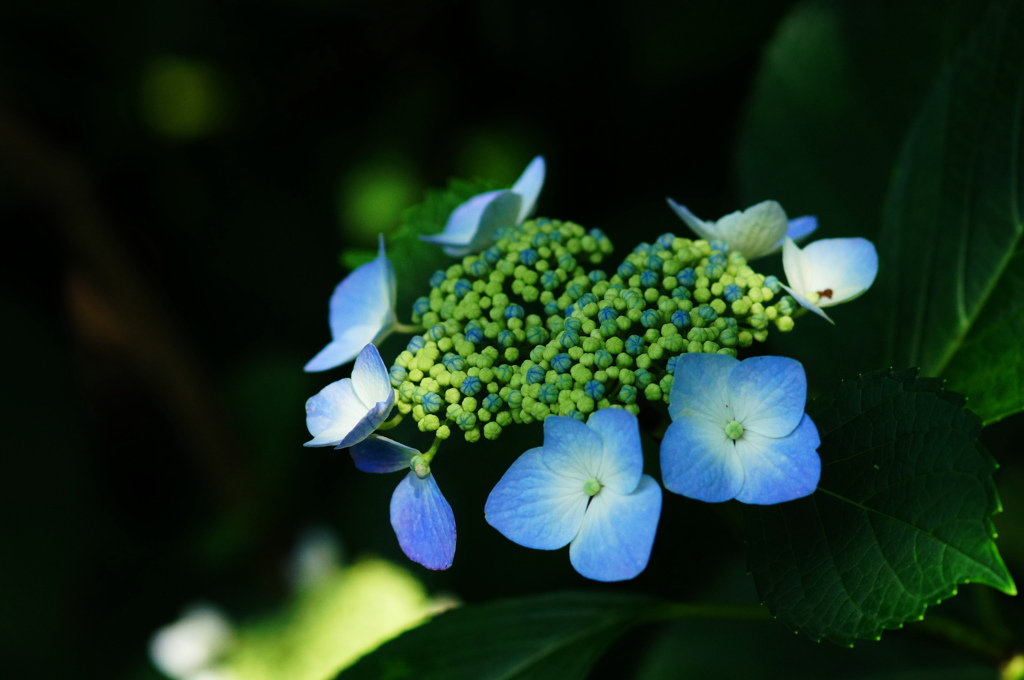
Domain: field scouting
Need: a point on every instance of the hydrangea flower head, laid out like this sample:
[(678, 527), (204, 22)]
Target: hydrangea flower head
[(348, 410), (759, 230), (583, 488), (739, 431), (829, 271), (471, 226), (362, 312), (420, 515)]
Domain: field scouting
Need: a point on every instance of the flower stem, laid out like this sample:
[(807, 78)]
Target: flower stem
[(390, 424), (432, 451), (410, 328)]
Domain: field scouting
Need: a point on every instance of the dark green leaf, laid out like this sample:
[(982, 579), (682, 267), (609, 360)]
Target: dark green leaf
[(415, 260), (953, 221), (901, 517), (839, 86), (548, 637)]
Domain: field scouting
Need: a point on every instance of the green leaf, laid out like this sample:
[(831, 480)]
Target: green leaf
[(989, 365), (839, 86), (953, 222), (548, 637), (415, 260), (901, 517)]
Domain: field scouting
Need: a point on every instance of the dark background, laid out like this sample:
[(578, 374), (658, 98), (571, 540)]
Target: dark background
[(177, 180)]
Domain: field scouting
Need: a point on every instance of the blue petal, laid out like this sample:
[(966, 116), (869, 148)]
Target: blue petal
[(614, 543), (768, 394), (371, 378), (362, 311), (536, 506), (528, 186), (571, 448), (424, 522), (621, 457), (779, 470), (380, 454), (700, 386), (348, 410), (800, 227), (698, 460), (332, 413), (471, 226)]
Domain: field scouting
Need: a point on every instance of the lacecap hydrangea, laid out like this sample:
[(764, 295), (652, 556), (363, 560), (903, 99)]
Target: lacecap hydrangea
[(535, 325)]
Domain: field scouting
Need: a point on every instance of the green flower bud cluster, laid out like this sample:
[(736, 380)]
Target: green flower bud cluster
[(523, 330)]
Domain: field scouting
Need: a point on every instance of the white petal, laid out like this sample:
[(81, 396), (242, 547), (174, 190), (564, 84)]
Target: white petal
[(755, 231), (832, 270)]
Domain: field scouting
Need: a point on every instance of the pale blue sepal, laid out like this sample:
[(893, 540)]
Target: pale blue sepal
[(768, 394), (621, 460), (471, 226), (380, 454), (700, 386), (571, 445), (423, 522), (699, 461), (528, 186), (348, 410), (362, 312), (780, 470), (539, 502), (614, 543)]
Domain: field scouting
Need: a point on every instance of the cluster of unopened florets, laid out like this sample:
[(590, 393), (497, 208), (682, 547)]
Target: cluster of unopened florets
[(523, 331)]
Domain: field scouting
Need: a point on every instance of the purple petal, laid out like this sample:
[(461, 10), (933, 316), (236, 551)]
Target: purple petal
[(768, 394), (528, 186), (535, 506), (701, 386), (698, 460), (614, 543), (621, 459), (369, 423), (424, 522), (362, 311), (779, 470), (380, 454)]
